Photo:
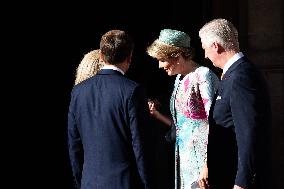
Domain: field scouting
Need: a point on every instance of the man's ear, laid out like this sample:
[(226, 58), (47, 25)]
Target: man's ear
[(217, 47), (102, 58), (129, 58)]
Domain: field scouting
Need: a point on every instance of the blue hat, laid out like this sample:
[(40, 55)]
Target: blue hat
[(170, 41), (174, 38)]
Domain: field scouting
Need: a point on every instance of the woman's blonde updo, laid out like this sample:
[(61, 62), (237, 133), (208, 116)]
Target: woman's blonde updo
[(89, 66)]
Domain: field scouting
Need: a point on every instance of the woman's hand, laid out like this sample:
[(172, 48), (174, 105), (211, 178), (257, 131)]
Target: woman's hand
[(237, 187), (152, 104), (203, 177)]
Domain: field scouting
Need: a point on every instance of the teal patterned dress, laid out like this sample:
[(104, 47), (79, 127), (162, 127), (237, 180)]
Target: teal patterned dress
[(190, 103)]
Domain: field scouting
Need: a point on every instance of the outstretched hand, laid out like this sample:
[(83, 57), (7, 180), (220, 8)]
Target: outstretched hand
[(153, 106)]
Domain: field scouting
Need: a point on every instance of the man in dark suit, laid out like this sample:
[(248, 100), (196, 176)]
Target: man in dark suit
[(239, 119), (108, 130)]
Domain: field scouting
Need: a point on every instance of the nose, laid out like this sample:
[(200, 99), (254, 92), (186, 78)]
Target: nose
[(205, 55), (161, 64)]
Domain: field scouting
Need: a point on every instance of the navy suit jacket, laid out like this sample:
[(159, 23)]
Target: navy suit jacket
[(239, 132), (108, 133)]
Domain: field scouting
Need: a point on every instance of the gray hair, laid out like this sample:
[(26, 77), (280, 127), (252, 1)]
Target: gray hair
[(221, 31)]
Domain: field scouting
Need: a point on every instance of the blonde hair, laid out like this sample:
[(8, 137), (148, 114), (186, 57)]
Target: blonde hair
[(89, 66), (160, 50), (221, 31)]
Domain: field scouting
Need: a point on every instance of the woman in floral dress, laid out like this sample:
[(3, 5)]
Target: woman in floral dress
[(190, 102)]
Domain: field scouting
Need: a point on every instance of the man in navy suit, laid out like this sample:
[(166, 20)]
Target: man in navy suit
[(239, 119), (108, 130)]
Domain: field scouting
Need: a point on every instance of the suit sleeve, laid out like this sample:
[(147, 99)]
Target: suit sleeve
[(244, 112), (140, 133), (74, 145)]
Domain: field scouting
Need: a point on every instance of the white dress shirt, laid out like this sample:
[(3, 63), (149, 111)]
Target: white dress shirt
[(112, 67), (231, 61)]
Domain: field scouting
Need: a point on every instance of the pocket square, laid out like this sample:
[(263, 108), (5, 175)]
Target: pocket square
[(218, 98)]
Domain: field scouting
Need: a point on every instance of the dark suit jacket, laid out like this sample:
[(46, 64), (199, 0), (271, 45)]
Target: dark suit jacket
[(239, 129), (108, 133)]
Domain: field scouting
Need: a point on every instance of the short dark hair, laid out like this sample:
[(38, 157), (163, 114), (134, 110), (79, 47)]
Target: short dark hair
[(116, 46)]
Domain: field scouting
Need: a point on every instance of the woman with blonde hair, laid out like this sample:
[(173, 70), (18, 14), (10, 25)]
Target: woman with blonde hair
[(89, 66), (190, 102)]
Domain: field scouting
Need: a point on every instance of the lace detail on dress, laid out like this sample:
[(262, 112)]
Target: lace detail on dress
[(189, 105)]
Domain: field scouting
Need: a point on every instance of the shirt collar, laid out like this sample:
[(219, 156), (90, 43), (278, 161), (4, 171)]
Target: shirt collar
[(232, 60), (112, 67)]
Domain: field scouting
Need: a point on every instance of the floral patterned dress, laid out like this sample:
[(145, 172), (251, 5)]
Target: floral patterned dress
[(190, 103)]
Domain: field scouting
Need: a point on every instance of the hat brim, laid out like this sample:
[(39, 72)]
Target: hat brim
[(160, 50)]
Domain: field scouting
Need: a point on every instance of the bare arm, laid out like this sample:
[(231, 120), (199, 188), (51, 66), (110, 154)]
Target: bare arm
[(155, 113)]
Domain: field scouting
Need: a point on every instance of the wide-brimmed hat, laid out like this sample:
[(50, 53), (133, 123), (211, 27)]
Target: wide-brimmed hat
[(169, 42)]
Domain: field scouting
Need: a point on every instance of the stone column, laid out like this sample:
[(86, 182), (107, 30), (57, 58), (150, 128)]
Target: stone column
[(265, 47)]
